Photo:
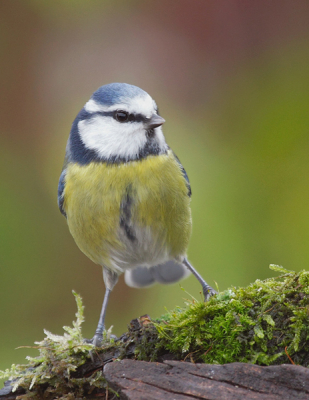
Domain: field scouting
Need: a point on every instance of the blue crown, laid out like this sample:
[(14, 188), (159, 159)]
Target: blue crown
[(114, 93)]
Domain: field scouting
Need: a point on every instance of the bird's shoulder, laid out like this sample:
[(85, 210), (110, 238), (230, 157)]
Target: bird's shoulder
[(61, 186), (184, 173)]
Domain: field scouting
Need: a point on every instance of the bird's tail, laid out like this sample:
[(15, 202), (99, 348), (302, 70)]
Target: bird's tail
[(166, 273)]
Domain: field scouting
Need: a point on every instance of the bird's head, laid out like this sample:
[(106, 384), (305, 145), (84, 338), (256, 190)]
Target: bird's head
[(119, 123)]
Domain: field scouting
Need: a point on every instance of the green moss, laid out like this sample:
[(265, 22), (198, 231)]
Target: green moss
[(265, 323), (258, 324)]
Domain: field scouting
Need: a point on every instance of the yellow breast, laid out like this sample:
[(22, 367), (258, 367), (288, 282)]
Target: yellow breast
[(155, 194)]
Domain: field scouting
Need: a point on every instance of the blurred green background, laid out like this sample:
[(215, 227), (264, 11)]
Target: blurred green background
[(232, 81)]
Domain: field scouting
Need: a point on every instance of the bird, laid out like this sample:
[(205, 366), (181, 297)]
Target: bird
[(125, 194)]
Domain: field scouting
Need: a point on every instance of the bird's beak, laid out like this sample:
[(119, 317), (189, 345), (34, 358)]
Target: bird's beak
[(154, 121)]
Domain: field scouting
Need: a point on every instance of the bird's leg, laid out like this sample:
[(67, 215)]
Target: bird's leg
[(98, 336), (110, 279), (208, 291)]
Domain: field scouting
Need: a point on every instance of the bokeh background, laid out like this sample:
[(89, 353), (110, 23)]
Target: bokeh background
[(232, 81)]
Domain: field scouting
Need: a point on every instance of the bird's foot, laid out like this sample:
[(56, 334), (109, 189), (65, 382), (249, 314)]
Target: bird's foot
[(96, 341), (99, 338), (208, 292)]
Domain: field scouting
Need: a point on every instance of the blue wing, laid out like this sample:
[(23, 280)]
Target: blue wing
[(185, 175), (61, 186)]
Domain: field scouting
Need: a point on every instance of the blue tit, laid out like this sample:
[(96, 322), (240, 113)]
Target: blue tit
[(125, 194)]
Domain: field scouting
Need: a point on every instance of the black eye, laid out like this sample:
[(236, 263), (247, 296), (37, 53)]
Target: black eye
[(121, 116)]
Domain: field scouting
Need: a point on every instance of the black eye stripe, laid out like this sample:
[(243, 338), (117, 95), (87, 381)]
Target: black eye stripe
[(139, 118), (131, 117)]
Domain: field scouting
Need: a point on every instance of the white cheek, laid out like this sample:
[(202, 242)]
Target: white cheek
[(110, 138)]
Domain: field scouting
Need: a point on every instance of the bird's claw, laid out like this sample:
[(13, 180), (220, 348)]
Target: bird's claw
[(208, 292), (98, 339)]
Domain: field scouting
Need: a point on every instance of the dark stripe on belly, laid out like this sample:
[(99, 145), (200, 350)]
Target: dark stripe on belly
[(125, 216)]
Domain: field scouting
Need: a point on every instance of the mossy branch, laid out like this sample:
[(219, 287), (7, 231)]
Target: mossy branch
[(266, 323)]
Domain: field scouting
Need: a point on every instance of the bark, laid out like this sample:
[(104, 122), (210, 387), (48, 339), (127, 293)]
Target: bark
[(181, 380), (176, 380)]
